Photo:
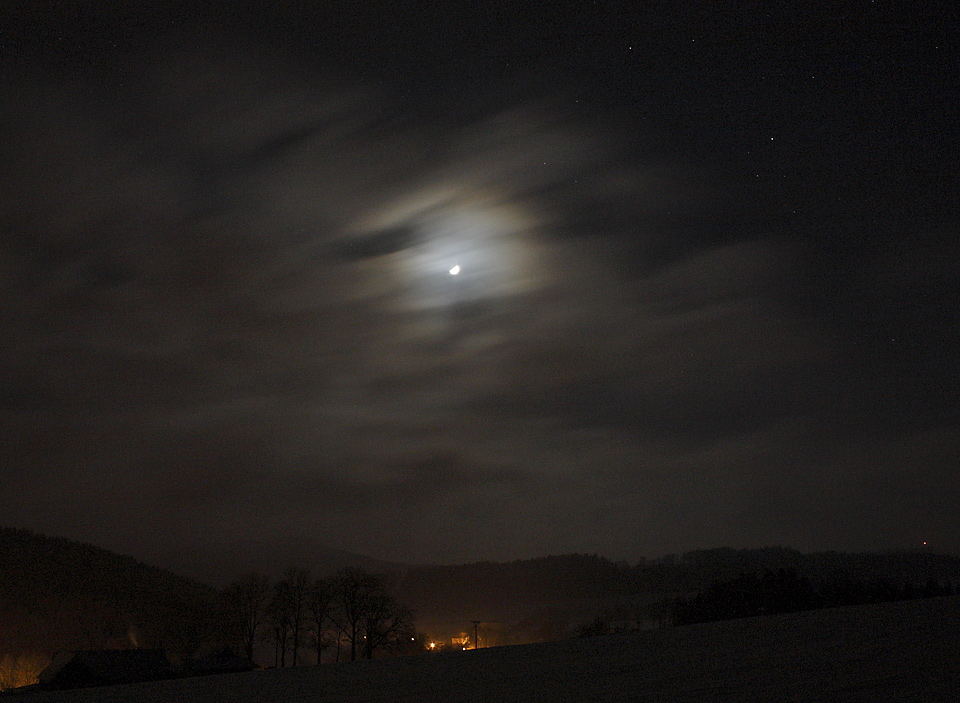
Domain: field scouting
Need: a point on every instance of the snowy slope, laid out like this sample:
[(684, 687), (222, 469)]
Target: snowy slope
[(891, 652)]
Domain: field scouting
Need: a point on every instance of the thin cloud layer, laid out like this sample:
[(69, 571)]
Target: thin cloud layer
[(228, 312)]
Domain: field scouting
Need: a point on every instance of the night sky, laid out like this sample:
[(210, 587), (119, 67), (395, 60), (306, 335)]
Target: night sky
[(709, 285)]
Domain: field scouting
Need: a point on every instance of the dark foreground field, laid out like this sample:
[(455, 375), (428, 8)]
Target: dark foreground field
[(891, 652)]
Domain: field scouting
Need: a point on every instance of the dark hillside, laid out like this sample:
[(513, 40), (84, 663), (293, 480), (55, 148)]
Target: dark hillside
[(706, 566), (220, 563), (58, 594)]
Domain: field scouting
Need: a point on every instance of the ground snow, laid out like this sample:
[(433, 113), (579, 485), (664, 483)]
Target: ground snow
[(891, 652)]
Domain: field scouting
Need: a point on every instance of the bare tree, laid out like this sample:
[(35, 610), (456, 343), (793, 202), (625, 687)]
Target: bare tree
[(279, 615), (320, 604), (243, 603), (298, 592), (387, 624), (353, 590), (367, 614)]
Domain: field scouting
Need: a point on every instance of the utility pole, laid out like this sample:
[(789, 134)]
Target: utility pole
[(476, 636)]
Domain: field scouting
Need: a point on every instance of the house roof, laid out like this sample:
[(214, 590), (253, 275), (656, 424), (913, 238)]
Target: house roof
[(105, 667)]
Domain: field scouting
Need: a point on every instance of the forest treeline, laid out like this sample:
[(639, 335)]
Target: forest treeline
[(786, 591)]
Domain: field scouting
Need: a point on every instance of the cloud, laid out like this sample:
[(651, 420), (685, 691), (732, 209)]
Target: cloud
[(227, 307)]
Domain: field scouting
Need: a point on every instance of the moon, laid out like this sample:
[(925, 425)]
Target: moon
[(455, 270)]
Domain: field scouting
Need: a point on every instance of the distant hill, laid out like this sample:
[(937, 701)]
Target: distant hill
[(218, 563), (56, 594), (550, 597)]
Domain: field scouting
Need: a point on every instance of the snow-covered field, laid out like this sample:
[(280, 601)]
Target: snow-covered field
[(892, 652)]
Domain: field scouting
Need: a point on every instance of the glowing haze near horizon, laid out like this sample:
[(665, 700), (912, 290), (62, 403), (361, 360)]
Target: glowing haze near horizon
[(478, 285)]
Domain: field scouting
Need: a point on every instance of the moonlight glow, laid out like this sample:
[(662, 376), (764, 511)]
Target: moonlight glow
[(455, 270)]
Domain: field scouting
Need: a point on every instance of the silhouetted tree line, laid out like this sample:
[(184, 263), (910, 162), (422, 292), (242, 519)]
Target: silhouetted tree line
[(785, 591), (352, 611)]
